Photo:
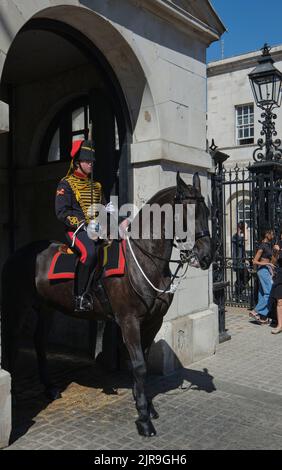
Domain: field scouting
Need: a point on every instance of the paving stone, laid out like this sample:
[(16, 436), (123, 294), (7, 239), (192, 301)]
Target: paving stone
[(232, 400)]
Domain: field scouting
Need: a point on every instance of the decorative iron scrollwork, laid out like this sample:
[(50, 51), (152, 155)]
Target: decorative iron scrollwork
[(268, 149)]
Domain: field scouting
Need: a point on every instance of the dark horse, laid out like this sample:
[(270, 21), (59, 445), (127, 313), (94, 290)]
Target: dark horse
[(137, 307)]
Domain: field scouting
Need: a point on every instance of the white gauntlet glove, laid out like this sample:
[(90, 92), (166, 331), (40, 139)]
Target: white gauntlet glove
[(93, 230), (110, 208)]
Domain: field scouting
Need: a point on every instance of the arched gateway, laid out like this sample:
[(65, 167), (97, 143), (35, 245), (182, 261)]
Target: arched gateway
[(56, 80)]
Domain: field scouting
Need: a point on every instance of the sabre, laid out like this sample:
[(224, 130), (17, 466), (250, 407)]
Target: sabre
[(92, 176), (92, 227)]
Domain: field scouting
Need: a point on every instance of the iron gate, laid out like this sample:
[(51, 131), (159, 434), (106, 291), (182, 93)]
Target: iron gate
[(233, 206), (238, 235), (245, 200)]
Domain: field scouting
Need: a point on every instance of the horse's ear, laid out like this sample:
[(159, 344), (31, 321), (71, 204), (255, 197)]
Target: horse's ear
[(197, 182), (180, 183)]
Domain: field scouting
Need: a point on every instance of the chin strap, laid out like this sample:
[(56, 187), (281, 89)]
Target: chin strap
[(82, 169)]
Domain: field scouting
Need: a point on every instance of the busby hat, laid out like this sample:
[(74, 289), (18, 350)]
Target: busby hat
[(83, 150)]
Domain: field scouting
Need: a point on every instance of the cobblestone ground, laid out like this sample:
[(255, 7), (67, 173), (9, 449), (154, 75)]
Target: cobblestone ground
[(232, 400)]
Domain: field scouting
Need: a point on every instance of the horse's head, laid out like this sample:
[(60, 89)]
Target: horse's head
[(191, 195)]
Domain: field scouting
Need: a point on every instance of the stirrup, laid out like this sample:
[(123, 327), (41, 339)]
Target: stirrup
[(83, 303)]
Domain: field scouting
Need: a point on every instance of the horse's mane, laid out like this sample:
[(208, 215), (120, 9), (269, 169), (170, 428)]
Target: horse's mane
[(162, 194), (161, 197)]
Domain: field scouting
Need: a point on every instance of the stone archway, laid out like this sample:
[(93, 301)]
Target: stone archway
[(51, 63), (91, 57)]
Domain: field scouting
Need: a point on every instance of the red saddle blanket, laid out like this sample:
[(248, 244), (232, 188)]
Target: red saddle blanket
[(62, 265)]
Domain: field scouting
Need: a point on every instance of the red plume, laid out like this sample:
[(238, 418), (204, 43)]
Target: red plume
[(75, 147)]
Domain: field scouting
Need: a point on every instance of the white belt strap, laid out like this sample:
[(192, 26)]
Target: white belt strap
[(74, 235)]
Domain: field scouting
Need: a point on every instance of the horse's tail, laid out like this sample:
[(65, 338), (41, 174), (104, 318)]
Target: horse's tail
[(18, 294)]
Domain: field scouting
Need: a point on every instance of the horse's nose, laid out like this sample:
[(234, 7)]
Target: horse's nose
[(213, 244), (206, 261)]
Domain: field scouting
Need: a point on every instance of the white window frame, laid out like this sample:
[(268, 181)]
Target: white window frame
[(244, 211), (244, 115)]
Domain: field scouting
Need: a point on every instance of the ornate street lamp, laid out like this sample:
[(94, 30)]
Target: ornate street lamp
[(219, 268), (266, 83)]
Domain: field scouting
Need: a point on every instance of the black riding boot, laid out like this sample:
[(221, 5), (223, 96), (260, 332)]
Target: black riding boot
[(83, 300)]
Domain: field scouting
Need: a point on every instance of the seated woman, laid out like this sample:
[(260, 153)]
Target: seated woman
[(265, 271)]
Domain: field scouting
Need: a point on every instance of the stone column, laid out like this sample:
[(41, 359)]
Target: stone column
[(5, 406), (5, 379)]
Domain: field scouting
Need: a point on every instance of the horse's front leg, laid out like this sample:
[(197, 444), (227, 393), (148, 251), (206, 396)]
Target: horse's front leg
[(148, 334), (131, 337), (151, 408)]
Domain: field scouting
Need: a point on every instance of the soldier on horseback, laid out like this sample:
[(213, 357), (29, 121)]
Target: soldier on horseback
[(139, 296), (75, 197)]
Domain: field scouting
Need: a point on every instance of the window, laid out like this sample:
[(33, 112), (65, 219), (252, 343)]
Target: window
[(54, 149), (70, 125), (244, 212), (245, 124)]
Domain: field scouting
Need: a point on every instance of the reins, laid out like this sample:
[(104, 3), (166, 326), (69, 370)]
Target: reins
[(185, 256), (171, 286)]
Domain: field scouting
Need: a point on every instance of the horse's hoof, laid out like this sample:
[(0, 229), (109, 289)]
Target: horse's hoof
[(145, 428), (154, 414), (52, 393)]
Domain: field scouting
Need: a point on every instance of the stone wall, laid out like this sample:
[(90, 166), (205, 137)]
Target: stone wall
[(228, 87)]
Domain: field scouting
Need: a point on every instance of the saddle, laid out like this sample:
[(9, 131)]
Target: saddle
[(111, 262)]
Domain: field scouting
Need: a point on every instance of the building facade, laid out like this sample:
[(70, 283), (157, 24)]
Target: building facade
[(233, 117), (233, 123), (137, 70)]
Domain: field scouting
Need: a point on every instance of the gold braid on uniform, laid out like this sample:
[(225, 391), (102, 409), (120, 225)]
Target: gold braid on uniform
[(82, 191)]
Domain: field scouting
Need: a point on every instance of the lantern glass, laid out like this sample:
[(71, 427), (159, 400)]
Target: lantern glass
[(266, 81), (267, 90)]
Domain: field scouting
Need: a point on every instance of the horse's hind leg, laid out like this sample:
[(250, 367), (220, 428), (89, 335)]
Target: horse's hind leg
[(131, 336), (44, 322)]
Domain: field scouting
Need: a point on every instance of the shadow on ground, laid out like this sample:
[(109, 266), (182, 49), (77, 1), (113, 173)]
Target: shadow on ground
[(78, 371)]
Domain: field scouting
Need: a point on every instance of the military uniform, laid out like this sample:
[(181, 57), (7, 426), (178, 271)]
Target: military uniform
[(73, 209)]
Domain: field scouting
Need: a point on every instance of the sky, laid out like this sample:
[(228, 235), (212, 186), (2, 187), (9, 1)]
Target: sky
[(249, 24)]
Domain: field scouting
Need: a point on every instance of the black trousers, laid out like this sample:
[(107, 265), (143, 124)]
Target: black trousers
[(242, 279), (87, 250)]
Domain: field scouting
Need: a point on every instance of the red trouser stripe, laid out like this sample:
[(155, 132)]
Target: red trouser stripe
[(80, 246)]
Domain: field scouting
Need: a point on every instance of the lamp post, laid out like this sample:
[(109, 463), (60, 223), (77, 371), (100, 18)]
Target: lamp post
[(218, 204), (266, 83)]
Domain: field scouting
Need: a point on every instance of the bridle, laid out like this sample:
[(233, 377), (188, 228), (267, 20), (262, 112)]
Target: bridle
[(186, 255)]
